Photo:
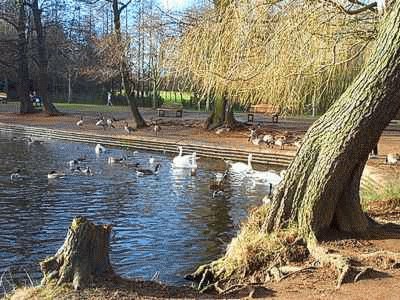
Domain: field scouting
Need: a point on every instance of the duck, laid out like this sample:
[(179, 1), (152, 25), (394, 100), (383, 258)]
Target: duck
[(184, 161), (80, 122), (55, 174), (151, 160), (16, 175), (141, 172), (113, 160), (240, 167), (128, 128), (392, 158), (99, 149)]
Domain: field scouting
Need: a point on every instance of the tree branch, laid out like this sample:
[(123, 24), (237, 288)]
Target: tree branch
[(365, 7)]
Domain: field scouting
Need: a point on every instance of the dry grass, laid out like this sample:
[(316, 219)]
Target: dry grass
[(289, 54), (255, 251)]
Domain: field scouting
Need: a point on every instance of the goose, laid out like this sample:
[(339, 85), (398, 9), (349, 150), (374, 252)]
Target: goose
[(128, 128), (110, 123), (141, 172), (219, 181), (16, 175), (73, 163), (99, 149), (269, 140), (84, 171), (113, 160), (222, 130), (156, 128), (297, 144), (240, 167), (101, 123), (280, 142), (80, 122), (392, 158), (55, 174)]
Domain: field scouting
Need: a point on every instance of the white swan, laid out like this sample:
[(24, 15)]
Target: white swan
[(240, 167), (184, 161), (99, 149)]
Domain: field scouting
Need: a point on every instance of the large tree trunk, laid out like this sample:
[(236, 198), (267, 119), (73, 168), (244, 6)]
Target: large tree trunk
[(321, 187), (124, 71), (222, 115), (23, 69), (320, 190), (83, 257), (43, 61)]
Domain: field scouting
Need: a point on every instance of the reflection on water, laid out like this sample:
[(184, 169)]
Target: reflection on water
[(167, 223)]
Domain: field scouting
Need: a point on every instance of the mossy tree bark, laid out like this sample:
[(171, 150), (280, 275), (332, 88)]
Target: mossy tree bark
[(23, 67), (83, 257), (124, 71), (43, 60), (222, 115), (321, 186)]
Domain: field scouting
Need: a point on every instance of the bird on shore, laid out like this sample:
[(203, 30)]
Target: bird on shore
[(80, 122), (110, 123), (269, 140), (16, 175), (280, 142), (392, 158), (142, 172), (156, 128), (101, 123), (128, 128)]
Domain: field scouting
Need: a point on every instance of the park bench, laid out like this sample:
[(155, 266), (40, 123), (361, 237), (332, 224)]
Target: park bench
[(175, 108), (3, 97), (267, 109)]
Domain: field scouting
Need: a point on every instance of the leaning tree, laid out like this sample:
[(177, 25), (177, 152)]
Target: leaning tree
[(320, 191)]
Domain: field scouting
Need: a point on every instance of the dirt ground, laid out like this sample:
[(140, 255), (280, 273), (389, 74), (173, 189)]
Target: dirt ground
[(381, 283)]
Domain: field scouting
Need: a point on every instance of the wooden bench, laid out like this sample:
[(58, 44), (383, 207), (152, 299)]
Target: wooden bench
[(176, 108), (267, 109), (3, 97)]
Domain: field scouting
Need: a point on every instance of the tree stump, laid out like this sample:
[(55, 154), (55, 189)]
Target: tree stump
[(83, 256)]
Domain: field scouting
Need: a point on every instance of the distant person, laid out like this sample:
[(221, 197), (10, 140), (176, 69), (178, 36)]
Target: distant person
[(109, 103)]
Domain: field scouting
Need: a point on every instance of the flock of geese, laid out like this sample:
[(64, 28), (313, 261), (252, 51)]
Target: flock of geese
[(258, 138), (104, 123)]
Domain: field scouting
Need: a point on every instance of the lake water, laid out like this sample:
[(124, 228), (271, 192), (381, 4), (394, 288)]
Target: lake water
[(166, 224)]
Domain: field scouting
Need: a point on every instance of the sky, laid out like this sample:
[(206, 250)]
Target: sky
[(175, 4)]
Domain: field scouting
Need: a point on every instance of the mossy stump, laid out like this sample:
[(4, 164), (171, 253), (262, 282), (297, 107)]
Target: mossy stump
[(83, 257)]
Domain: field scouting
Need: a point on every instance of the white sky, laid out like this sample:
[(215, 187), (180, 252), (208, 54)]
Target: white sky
[(175, 4)]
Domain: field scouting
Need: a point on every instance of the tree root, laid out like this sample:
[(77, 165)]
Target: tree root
[(347, 271)]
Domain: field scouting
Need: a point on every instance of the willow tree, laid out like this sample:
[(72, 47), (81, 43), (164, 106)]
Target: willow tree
[(320, 191)]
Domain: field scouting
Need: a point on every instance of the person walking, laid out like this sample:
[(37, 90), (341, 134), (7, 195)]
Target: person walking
[(109, 103)]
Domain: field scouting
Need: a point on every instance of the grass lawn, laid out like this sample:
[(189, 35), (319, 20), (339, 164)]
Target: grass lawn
[(91, 107)]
